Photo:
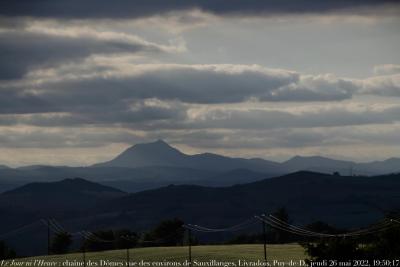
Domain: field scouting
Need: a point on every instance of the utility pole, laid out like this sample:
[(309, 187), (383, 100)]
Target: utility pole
[(48, 237), (190, 246), (127, 238), (84, 251), (127, 256), (265, 242)]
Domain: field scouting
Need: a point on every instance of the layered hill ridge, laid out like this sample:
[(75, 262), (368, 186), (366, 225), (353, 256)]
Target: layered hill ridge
[(57, 198), (160, 153), (156, 164), (308, 196), (69, 185), (344, 201)]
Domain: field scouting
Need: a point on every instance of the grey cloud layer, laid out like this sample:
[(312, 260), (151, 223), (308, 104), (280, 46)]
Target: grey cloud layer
[(186, 83), (118, 113), (287, 138), (174, 116), (74, 74), (256, 139), (16, 101), (140, 8), (387, 69), (388, 85), (22, 50), (203, 84), (161, 92), (273, 119), (121, 97), (65, 137)]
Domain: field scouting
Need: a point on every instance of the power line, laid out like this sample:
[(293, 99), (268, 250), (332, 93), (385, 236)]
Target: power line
[(237, 227), (277, 226), (295, 228), (270, 220), (275, 222), (284, 226)]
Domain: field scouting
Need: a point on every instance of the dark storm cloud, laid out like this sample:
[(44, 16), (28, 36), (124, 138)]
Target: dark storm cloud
[(140, 8), (21, 102), (259, 119), (174, 116), (198, 84), (118, 113), (157, 92), (21, 51), (124, 112), (159, 96)]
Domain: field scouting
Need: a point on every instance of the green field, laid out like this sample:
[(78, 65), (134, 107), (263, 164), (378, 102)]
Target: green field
[(169, 255)]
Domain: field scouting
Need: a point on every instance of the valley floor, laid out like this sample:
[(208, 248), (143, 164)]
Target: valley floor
[(210, 255)]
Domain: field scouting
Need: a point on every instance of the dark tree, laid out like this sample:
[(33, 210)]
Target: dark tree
[(335, 248), (280, 236), (125, 239), (61, 243), (321, 227), (6, 252), (166, 233), (386, 244), (380, 242), (99, 241)]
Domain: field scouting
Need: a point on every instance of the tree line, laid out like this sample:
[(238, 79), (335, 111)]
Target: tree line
[(380, 245)]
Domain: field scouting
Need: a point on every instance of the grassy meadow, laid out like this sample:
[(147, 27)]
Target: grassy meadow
[(277, 255)]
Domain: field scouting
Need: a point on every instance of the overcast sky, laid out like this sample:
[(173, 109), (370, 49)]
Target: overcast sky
[(80, 81)]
